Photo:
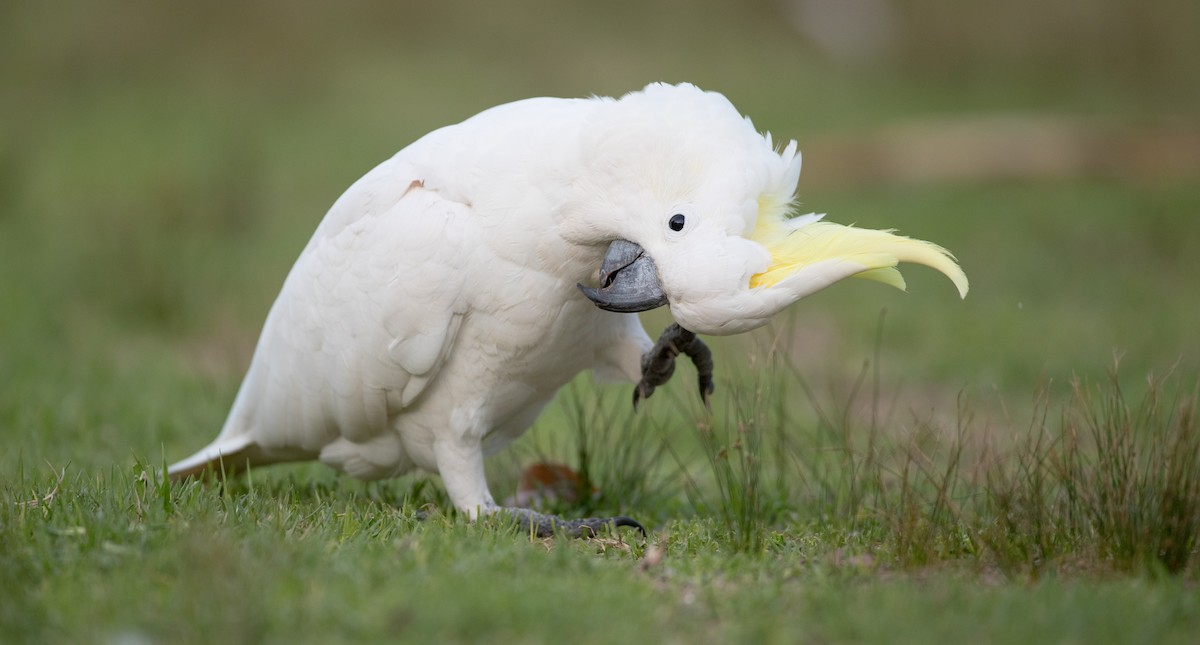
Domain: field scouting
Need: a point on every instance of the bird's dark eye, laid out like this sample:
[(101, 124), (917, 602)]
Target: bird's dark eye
[(676, 222)]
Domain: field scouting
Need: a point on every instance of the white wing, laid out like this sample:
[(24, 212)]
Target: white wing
[(364, 320)]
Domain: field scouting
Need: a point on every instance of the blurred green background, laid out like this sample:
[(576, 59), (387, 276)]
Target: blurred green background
[(162, 164)]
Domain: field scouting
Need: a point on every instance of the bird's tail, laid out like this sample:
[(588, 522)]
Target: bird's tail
[(226, 456)]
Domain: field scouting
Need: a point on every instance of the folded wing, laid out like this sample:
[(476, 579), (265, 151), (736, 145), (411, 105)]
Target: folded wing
[(365, 319)]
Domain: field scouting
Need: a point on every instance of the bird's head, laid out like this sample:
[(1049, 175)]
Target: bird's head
[(697, 210)]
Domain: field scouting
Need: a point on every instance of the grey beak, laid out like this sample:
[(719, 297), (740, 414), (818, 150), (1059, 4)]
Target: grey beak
[(628, 279)]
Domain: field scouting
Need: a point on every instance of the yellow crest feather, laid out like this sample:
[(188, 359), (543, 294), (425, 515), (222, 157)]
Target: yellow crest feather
[(796, 245)]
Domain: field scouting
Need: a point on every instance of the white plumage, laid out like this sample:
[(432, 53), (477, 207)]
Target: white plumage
[(435, 312)]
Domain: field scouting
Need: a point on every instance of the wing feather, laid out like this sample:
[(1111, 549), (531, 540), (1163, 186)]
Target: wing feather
[(365, 318)]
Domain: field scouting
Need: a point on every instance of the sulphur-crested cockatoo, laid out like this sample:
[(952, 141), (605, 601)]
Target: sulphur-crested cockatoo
[(435, 311)]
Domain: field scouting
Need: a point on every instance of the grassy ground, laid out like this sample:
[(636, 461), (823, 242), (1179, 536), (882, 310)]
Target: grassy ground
[(160, 169)]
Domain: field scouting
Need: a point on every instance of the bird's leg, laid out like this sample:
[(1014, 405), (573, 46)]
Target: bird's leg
[(460, 463), (658, 364)]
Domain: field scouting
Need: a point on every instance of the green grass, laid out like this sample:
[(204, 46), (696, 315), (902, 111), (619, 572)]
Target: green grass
[(312, 564), (298, 554), (953, 470)]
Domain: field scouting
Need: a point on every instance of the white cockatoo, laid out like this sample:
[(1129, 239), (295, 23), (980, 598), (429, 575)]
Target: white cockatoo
[(450, 292)]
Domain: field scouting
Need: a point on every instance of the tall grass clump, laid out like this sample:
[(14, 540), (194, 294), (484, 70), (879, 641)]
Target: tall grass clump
[(781, 450), (744, 441), (924, 499), (1139, 487), (1028, 520), (620, 456), (733, 448), (865, 471), (836, 461), (1102, 480), (618, 460), (1115, 483)]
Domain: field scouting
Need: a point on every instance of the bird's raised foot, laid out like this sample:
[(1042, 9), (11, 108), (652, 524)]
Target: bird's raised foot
[(658, 364), (543, 525)]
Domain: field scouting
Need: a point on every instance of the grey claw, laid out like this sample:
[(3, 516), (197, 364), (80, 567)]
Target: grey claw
[(589, 527), (658, 364), (543, 525)]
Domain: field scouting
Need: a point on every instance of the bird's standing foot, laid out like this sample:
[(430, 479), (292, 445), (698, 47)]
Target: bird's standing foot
[(543, 525), (658, 364)]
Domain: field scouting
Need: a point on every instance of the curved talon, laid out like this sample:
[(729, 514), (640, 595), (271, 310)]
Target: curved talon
[(543, 525), (589, 527), (701, 357), (658, 364)]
